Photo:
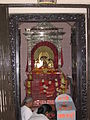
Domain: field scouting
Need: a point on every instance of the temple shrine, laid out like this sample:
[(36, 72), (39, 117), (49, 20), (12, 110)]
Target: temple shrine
[(45, 79)]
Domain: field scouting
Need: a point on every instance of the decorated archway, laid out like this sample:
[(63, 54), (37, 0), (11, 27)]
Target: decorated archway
[(49, 45)]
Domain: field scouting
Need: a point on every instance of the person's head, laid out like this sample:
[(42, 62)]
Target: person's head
[(28, 101), (44, 109)]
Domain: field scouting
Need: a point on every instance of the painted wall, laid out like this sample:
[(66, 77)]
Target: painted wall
[(35, 1)]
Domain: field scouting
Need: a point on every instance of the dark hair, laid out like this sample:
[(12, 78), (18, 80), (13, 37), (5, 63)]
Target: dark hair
[(44, 108)]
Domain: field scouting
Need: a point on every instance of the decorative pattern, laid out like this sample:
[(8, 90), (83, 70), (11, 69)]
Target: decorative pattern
[(44, 33), (79, 19), (45, 84), (48, 44)]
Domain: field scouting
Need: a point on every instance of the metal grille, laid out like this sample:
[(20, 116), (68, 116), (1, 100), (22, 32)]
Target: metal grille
[(7, 107)]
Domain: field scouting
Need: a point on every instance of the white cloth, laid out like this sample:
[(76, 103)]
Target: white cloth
[(36, 116), (26, 113)]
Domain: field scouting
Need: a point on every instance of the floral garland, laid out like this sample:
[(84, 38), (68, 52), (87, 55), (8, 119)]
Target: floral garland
[(50, 88)]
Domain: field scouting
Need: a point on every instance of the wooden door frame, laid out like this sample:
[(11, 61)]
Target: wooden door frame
[(15, 19)]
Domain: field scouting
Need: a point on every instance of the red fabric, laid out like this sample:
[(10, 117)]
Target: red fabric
[(61, 57), (27, 65), (50, 90)]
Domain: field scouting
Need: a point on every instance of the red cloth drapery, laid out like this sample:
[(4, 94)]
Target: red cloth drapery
[(61, 57)]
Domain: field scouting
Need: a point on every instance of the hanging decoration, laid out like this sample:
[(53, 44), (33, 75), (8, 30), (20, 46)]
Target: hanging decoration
[(28, 87)]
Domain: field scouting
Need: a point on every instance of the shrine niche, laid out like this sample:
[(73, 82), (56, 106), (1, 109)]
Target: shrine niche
[(45, 79), (43, 57), (75, 33), (45, 53)]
